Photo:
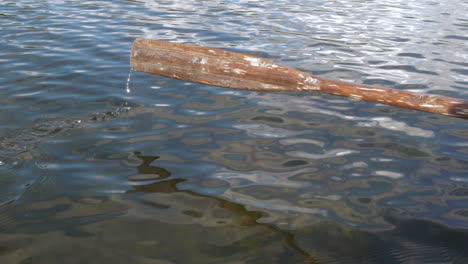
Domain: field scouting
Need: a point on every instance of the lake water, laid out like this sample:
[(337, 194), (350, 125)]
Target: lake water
[(99, 164)]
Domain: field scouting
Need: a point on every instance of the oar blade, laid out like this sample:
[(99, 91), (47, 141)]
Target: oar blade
[(213, 67), (239, 71)]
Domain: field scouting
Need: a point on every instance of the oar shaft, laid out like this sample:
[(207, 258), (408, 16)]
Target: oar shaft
[(239, 71)]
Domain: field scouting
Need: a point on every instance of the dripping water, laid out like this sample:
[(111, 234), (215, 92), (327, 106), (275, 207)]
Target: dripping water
[(125, 106), (128, 80)]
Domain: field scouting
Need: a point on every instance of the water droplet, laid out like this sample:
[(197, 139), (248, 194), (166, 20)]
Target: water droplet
[(128, 80)]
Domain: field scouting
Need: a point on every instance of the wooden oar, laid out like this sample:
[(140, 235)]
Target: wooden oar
[(239, 71)]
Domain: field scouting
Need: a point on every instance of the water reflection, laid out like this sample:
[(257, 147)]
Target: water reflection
[(204, 210), (165, 218), (202, 174), (188, 207)]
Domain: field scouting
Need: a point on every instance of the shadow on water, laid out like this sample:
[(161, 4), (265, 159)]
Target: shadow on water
[(249, 218), (327, 242), (155, 208)]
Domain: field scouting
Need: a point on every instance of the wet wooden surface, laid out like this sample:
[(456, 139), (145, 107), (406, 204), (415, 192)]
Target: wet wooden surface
[(239, 71)]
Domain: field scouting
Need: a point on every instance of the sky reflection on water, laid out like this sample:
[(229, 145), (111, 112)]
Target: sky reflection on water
[(100, 165)]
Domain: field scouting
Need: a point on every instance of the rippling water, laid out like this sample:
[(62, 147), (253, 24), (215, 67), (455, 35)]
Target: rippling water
[(102, 165)]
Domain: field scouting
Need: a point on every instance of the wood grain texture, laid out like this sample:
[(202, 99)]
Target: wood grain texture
[(239, 71)]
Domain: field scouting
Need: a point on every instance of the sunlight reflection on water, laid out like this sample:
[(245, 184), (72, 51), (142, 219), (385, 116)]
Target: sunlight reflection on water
[(94, 156)]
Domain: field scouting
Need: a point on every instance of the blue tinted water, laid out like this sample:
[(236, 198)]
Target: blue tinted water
[(99, 164)]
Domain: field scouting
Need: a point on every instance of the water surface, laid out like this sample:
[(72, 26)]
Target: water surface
[(98, 165)]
